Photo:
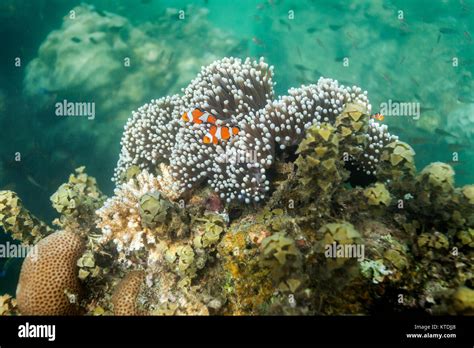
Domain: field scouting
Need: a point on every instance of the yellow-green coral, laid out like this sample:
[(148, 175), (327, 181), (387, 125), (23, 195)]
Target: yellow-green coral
[(17, 220), (153, 209), (429, 241), (438, 176), (352, 126), (377, 195), (466, 237), (8, 305), (320, 169), (463, 300), (79, 197), (280, 256), (338, 235), (468, 192), (397, 163)]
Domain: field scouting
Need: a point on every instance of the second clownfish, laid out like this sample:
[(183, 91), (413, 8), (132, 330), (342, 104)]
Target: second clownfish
[(198, 116), (379, 117), (217, 133)]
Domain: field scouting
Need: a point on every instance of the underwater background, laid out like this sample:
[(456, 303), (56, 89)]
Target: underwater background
[(403, 51)]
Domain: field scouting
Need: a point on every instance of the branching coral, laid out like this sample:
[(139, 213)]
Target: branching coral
[(120, 219), (139, 214)]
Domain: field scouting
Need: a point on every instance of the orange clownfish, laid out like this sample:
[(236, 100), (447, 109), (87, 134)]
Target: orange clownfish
[(379, 117), (198, 116), (217, 133)]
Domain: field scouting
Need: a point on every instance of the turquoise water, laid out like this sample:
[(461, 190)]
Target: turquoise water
[(417, 52)]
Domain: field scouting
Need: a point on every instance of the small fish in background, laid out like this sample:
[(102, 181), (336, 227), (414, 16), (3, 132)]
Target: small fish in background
[(317, 73), (467, 36), (198, 116), (414, 81), (454, 164), (170, 58), (464, 6), (257, 41), (320, 43), (457, 147), (378, 117), (101, 13), (285, 24), (220, 133), (299, 53), (9, 187), (301, 67), (419, 140), (32, 181), (426, 108), (311, 30), (387, 78), (340, 59), (466, 100), (444, 133), (404, 28), (447, 31), (335, 27)]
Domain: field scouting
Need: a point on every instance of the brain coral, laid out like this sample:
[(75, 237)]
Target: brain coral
[(238, 93), (48, 283), (125, 295)]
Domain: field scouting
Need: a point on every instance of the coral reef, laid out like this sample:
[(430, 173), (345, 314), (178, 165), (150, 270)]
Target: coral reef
[(174, 240)]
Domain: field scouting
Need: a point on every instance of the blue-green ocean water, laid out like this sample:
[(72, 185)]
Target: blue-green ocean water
[(402, 51)]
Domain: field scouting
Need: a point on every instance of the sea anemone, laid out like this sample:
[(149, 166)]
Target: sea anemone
[(238, 93)]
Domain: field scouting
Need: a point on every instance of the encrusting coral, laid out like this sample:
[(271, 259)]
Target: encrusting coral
[(316, 244)]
